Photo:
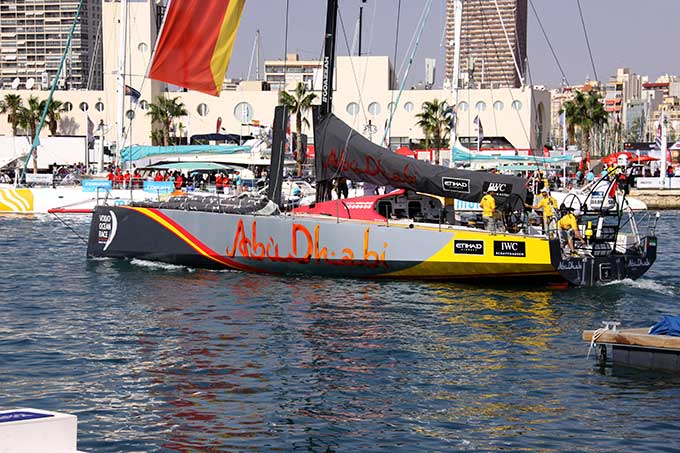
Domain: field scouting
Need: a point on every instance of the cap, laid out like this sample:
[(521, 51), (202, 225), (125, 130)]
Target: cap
[(544, 190)]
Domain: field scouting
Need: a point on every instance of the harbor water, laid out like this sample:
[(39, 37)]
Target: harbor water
[(160, 358)]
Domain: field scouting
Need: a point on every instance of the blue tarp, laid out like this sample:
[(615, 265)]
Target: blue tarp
[(669, 325), (137, 152)]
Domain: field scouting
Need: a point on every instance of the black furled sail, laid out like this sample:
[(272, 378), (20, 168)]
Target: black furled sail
[(340, 151)]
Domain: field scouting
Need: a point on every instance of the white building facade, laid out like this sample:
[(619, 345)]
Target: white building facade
[(521, 115)]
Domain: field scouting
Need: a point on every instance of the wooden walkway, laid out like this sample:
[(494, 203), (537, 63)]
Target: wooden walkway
[(637, 348)]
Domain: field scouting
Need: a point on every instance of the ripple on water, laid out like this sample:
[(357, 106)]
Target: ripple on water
[(154, 357)]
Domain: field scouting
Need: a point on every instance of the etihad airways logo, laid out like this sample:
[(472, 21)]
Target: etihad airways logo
[(461, 247), (459, 185)]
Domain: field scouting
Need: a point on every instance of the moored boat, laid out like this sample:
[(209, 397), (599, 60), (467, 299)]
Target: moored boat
[(412, 233)]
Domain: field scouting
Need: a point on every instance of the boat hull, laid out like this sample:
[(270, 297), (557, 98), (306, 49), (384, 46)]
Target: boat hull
[(318, 246)]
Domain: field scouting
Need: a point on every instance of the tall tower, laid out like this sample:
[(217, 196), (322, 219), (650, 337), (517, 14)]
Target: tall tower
[(33, 36), (486, 60)]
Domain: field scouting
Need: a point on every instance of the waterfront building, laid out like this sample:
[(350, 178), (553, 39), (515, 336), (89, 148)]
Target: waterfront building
[(487, 61), (519, 115), (286, 74), (623, 88), (33, 35)]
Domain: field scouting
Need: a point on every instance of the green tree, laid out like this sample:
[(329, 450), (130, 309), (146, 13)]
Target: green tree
[(28, 118), (298, 102), (10, 105), (164, 111), (586, 112), (53, 114), (435, 121)]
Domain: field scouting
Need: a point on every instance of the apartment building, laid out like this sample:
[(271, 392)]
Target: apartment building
[(33, 37), (493, 44)]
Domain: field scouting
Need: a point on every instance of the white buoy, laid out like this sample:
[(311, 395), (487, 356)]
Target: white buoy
[(37, 431)]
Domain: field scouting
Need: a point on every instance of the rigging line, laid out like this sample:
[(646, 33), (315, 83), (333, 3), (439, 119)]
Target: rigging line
[(97, 41), (285, 48), (410, 44), (146, 71), (428, 7), (69, 227), (396, 44), (370, 46), (507, 38), (585, 32), (540, 24), (351, 62), (519, 117)]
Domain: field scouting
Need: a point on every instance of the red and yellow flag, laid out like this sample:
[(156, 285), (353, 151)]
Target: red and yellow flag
[(196, 43)]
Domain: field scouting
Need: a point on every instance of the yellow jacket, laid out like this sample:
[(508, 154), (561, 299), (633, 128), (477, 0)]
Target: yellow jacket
[(488, 205), (547, 204), (568, 222)]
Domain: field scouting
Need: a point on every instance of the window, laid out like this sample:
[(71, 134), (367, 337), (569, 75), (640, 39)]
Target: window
[(130, 114), (68, 107), (517, 105), (143, 105), (84, 107), (463, 106), (408, 107), (243, 112), (99, 106), (498, 106), (374, 108), (142, 47), (202, 109), (480, 106), (390, 107), (352, 109)]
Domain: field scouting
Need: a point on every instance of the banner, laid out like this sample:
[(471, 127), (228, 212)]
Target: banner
[(196, 44), (91, 185)]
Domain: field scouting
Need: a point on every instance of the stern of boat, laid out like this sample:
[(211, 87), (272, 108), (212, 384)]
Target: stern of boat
[(591, 269)]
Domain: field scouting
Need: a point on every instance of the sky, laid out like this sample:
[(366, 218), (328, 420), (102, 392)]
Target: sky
[(622, 33)]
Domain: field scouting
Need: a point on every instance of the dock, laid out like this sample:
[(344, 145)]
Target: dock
[(637, 348), (658, 199)]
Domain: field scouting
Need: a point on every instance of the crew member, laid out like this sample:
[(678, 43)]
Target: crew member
[(219, 183), (547, 204), (488, 205), (341, 187), (569, 229), (179, 180)]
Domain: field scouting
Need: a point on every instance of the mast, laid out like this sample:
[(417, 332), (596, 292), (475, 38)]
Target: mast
[(361, 23), (457, 19), (329, 58), (121, 79), (36, 138)]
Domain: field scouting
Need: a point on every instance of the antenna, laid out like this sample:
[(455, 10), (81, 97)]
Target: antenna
[(15, 83), (29, 83)]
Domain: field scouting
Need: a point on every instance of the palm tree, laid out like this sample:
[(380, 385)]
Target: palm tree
[(435, 120), (53, 114), (164, 111), (28, 117), (298, 103), (10, 105), (586, 112)]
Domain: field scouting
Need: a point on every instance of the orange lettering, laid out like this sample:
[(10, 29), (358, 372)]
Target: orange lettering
[(322, 253), (310, 244)]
